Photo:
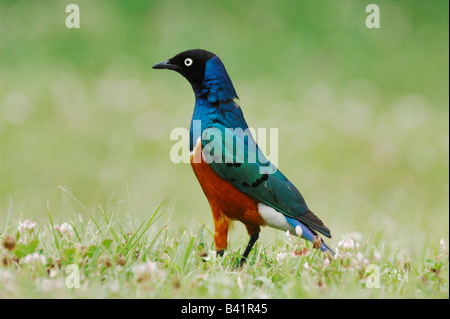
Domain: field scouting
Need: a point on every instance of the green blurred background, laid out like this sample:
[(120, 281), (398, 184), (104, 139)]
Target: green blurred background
[(362, 113)]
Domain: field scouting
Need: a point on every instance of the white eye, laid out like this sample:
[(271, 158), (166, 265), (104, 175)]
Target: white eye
[(188, 62)]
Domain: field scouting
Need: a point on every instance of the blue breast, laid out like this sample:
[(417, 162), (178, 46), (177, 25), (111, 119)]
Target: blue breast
[(215, 102)]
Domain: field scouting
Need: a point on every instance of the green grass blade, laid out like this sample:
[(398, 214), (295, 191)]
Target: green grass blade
[(55, 236), (187, 252)]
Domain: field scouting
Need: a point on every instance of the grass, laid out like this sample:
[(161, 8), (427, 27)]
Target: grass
[(146, 260)]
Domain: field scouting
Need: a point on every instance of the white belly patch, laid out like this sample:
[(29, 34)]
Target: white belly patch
[(274, 218)]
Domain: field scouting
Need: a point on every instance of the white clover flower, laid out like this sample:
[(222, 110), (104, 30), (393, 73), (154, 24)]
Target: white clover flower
[(49, 285), (5, 275), (360, 261), (376, 256), (27, 225), (35, 258), (443, 249), (337, 254), (298, 231), (114, 287), (64, 229), (289, 235), (443, 245), (147, 270), (281, 256), (52, 273), (348, 244), (143, 268), (203, 276)]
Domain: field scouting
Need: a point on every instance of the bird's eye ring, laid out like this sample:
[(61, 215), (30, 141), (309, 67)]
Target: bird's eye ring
[(188, 62)]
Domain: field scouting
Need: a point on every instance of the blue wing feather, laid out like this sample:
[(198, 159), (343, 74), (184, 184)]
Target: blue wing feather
[(252, 178)]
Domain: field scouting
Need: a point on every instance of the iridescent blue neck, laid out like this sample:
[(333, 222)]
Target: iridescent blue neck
[(216, 86)]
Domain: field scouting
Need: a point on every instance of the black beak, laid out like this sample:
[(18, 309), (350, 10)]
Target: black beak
[(165, 65)]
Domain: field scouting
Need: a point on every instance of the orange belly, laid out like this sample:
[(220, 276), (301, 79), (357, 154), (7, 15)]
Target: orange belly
[(226, 201)]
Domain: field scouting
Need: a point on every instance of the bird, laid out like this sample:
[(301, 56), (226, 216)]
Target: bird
[(237, 187)]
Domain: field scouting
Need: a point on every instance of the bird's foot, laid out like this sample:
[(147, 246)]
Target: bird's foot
[(240, 264), (220, 252)]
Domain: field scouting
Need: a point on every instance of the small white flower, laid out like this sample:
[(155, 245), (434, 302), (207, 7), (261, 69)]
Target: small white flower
[(298, 231), (281, 256), (289, 235), (337, 254), (326, 263), (376, 256), (52, 273), (5, 276), (146, 270), (27, 225), (348, 244), (360, 261), (443, 245), (359, 257), (35, 258), (114, 287), (64, 229), (307, 266), (143, 268)]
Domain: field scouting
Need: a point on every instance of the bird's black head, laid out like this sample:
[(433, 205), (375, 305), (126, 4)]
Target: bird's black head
[(191, 64), (205, 72)]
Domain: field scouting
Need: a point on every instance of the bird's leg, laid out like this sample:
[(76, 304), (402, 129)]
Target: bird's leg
[(251, 242), (253, 231)]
